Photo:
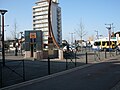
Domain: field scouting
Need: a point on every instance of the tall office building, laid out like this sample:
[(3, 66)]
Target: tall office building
[(40, 20)]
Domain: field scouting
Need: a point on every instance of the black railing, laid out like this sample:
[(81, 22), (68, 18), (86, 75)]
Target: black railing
[(12, 70)]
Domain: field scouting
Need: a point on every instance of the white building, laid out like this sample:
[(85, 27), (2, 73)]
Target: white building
[(40, 20)]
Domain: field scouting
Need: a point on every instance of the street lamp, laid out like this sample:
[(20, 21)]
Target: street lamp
[(71, 38), (97, 33), (21, 43), (3, 51), (109, 31)]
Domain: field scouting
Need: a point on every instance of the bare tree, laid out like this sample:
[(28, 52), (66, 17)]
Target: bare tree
[(80, 31), (14, 31)]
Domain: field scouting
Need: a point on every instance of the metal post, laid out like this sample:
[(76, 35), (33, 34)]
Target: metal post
[(21, 43), (97, 34), (0, 74), (95, 55), (66, 64), (75, 59), (99, 55), (116, 52), (48, 66), (86, 58), (23, 71), (3, 51), (105, 54), (109, 39)]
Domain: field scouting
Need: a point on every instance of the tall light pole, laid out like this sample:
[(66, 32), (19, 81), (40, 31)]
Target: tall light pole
[(71, 38), (3, 51), (21, 43), (109, 32), (97, 33)]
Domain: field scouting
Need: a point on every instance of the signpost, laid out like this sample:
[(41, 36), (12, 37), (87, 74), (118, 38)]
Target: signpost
[(32, 35)]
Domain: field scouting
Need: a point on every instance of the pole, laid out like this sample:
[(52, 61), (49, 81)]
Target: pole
[(86, 58), (109, 32), (71, 38), (75, 58), (0, 74), (48, 66), (116, 52), (23, 70), (66, 64), (21, 43), (105, 54), (3, 51), (97, 34)]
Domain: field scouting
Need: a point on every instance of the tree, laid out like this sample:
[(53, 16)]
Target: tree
[(15, 30), (80, 31)]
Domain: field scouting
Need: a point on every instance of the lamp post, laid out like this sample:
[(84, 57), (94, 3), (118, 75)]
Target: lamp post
[(71, 38), (109, 32), (3, 51), (97, 33), (21, 43)]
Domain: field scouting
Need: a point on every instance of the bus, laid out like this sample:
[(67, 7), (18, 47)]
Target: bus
[(103, 44)]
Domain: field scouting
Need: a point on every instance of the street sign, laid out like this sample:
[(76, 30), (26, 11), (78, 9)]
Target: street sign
[(32, 35)]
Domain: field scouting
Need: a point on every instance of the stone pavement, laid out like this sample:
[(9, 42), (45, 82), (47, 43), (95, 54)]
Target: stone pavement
[(99, 76)]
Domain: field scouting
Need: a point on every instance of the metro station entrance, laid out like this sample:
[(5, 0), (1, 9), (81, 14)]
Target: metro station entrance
[(33, 43)]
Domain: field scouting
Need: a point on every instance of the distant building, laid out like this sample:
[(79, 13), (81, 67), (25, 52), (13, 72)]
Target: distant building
[(40, 20)]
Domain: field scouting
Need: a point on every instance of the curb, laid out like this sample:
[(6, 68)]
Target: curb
[(15, 86)]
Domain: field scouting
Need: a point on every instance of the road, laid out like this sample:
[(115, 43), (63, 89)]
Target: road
[(100, 76)]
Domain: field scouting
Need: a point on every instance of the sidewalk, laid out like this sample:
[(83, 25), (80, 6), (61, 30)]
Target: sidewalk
[(100, 76)]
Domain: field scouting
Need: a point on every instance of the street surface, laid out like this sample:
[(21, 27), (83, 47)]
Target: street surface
[(101, 76)]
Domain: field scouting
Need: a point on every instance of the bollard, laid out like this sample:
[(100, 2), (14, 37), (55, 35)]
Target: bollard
[(0, 74), (95, 55), (116, 51), (86, 58), (99, 55), (66, 64), (105, 54), (75, 60), (23, 71), (48, 66)]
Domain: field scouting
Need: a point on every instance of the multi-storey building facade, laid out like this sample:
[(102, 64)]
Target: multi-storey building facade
[(40, 20)]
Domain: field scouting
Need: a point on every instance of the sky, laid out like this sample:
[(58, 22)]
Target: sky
[(93, 14)]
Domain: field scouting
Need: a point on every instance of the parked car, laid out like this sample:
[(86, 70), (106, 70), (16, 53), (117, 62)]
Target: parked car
[(71, 48)]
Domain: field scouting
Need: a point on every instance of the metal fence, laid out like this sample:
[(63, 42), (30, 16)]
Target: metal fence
[(16, 71), (13, 72)]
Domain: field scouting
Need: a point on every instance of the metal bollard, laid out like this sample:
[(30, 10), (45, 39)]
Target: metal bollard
[(116, 52), (95, 55), (86, 58), (75, 60), (105, 54), (48, 66), (66, 64), (23, 70), (0, 74)]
